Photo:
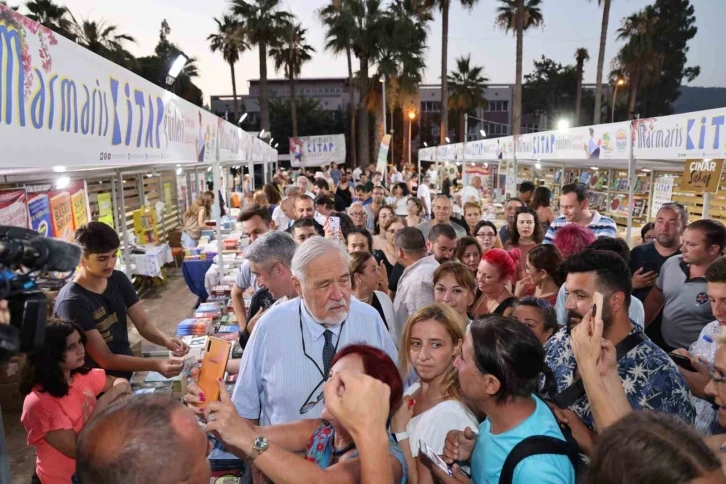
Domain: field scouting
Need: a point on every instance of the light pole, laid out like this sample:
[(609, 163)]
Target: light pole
[(411, 117), (175, 70), (619, 82)]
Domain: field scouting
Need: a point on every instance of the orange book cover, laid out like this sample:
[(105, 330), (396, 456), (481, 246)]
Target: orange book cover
[(80, 215), (62, 216), (213, 366)]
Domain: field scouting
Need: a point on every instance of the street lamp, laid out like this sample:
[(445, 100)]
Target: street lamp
[(447, 139), (244, 116), (383, 81), (176, 68), (483, 134), (619, 82), (563, 124), (271, 140), (426, 144), (262, 133), (411, 117)]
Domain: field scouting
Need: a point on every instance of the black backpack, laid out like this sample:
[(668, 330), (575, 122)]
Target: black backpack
[(538, 445)]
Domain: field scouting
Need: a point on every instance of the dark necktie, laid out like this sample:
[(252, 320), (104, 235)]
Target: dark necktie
[(328, 351)]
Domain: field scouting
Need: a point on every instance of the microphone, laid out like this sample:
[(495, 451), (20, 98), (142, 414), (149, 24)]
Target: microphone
[(19, 246)]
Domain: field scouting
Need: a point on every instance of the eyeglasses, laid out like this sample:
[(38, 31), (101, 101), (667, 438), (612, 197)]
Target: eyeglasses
[(719, 380), (530, 269), (310, 404), (529, 300), (357, 214)]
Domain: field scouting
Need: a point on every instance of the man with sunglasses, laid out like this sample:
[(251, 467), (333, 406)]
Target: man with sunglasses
[(287, 359)]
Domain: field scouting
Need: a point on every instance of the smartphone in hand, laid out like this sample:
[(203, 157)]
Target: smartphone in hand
[(682, 361), (434, 458)]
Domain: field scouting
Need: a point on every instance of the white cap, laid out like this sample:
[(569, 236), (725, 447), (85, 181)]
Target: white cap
[(319, 174)]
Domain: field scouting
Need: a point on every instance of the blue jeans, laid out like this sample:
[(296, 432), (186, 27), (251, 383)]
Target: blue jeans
[(187, 242)]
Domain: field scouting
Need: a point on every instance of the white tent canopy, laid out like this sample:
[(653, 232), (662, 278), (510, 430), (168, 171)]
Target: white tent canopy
[(654, 143)]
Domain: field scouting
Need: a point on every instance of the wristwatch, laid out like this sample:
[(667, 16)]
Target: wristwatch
[(401, 436), (258, 447)]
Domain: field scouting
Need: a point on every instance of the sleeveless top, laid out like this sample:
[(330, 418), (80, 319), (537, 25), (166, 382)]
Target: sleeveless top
[(320, 449), (191, 226)]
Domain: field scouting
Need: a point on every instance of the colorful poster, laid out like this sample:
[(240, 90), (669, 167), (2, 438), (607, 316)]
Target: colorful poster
[(382, 163), (14, 208), (56, 212), (61, 215), (105, 209), (39, 209), (167, 195), (313, 150), (78, 203)]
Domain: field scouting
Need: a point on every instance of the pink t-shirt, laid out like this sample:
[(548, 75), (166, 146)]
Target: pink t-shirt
[(43, 413)]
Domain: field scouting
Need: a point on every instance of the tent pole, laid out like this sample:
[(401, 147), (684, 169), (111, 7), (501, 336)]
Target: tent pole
[(650, 196), (631, 186), (218, 229), (706, 205), (124, 226)]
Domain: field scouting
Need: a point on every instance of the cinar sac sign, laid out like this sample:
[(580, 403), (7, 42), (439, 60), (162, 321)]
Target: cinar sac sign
[(701, 176)]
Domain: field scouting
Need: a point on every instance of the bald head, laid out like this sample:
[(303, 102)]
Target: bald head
[(143, 439)]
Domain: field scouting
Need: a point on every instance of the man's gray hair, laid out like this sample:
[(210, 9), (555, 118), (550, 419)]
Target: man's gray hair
[(271, 247), (355, 204), (313, 248), (292, 190)]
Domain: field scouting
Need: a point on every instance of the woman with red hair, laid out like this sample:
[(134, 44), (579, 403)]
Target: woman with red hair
[(330, 453), (573, 238), (495, 269)]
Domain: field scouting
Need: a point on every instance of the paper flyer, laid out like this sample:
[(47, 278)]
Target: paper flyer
[(78, 202), (13, 208), (105, 209), (62, 216), (39, 209)]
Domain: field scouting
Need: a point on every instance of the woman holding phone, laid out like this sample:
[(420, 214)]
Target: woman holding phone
[(431, 408)]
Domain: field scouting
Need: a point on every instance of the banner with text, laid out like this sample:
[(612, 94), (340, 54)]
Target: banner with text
[(317, 150), (701, 176), (382, 163), (14, 207)]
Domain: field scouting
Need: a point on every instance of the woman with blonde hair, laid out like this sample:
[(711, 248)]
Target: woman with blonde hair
[(195, 218), (432, 407)]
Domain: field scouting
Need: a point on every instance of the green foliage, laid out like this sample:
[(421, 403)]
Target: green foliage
[(313, 120), (506, 14), (551, 88)]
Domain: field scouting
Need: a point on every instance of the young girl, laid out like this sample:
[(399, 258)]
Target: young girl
[(432, 407), (60, 396)]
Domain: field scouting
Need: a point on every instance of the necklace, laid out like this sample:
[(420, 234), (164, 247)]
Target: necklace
[(366, 299), (339, 452)]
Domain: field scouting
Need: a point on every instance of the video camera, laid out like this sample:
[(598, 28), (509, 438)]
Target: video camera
[(24, 256)]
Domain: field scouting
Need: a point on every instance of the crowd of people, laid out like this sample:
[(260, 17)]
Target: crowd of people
[(390, 338)]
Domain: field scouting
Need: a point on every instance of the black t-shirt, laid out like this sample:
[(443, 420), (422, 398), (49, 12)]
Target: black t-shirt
[(394, 277), (344, 198), (646, 256), (260, 299), (104, 312)]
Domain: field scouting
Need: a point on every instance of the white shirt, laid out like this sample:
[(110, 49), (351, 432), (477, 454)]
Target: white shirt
[(275, 374), (396, 178), (432, 425), (357, 173), (469, 194), (320, 218), (415, 289), (281, 220), (424, 194)]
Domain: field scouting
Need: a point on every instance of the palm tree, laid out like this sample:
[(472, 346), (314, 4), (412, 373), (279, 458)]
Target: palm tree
[(105, 40), (518, 16), (56, 17), (290, 55), (265, 23), (337, 17), (443, 6), (467, 90), (639, 58), (581, 55), (230, 41), (601, 58)]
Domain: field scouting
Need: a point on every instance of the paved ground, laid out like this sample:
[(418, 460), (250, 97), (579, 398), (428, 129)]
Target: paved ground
[(166, 307)]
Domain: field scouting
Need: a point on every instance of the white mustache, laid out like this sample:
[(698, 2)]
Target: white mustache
[(336, 305)]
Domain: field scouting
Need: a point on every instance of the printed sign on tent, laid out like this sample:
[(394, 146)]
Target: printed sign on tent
[(13, 208), (701, 176), (317, 150), (105, 209), (662, 193)]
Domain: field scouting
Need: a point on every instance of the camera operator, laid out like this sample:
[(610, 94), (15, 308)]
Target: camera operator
[(99, 300)]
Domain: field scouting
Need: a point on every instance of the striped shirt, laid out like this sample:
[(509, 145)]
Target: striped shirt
[(600, 225), (276, 376)]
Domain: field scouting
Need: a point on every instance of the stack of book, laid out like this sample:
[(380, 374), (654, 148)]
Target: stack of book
[(194, 326)]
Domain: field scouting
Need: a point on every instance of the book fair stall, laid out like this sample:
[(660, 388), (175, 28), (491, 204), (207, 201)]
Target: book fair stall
[(86, 140), (631, 168)]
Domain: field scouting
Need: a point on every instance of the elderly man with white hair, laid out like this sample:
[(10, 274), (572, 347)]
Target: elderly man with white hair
[(304, 185), (287, 359)]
